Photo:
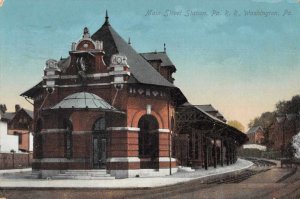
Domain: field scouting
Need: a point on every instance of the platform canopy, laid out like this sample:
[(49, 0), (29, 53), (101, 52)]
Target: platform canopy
[(83, 100)]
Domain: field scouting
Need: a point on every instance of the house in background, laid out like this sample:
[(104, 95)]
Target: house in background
[(19, 123), (8, 143), (256, 135)]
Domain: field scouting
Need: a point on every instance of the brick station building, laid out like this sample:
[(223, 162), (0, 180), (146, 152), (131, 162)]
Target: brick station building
[(106, 107)]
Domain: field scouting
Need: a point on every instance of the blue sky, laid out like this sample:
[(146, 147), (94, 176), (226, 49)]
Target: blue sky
[(241, 64)]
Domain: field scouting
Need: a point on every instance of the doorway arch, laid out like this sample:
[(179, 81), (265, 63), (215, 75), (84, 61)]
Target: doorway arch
[(148, 141)]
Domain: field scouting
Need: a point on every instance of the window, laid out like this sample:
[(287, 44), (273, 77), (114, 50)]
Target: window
[(20, 138), (68, 138)]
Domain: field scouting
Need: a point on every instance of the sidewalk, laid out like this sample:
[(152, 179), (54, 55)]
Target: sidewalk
[(123, 183), (14, 171)]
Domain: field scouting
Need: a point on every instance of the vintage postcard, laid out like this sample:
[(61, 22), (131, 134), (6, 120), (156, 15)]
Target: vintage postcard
[(149, 99)]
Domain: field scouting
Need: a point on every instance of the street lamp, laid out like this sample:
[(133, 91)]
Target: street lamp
[(13, 158)]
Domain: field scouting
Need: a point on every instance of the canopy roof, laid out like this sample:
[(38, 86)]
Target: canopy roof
[(83, 100), (197, 122)]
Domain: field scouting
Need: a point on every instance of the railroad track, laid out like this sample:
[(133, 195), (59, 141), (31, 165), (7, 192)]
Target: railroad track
[(261, 163), (168, 191)]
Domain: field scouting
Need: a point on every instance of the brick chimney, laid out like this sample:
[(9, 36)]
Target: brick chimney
[(3, 108), (17, 107)]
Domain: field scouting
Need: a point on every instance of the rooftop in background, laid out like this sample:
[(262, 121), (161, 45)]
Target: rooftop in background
[(254, 129), (7, 116)]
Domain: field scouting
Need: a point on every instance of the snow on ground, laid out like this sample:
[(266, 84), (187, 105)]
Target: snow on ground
[(128, 182), (255, 146)]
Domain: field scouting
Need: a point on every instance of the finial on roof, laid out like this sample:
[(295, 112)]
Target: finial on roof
[(129, 41), (165, 49), (106, 18), (86, 33)]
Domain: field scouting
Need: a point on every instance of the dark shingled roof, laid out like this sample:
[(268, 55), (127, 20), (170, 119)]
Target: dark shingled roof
[(162, 56), (10, 115), (142, 71), (254, 129), (33, 91)]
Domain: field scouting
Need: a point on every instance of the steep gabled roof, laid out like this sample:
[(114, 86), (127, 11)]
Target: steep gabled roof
[(254, 129), (10, 115), (142, 71)]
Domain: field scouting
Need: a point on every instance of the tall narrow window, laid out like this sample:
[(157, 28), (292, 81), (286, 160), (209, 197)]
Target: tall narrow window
[(68, 138), (100, 144)]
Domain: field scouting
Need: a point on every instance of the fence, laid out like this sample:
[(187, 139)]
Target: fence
[(15, 160), (259, 154)]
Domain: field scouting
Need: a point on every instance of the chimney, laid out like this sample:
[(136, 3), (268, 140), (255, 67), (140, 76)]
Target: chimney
[(17, 107), (3, 108)]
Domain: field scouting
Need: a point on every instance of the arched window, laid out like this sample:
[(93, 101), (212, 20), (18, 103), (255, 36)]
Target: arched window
[(99, 125), (99, 143), (38, 139), (148, 137), (68, 138)]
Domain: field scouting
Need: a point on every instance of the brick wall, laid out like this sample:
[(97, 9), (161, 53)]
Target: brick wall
[(15, 161)]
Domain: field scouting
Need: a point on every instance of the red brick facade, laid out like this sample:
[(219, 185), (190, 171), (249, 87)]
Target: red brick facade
[(281, 134), (55, 149), (257, 136)]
